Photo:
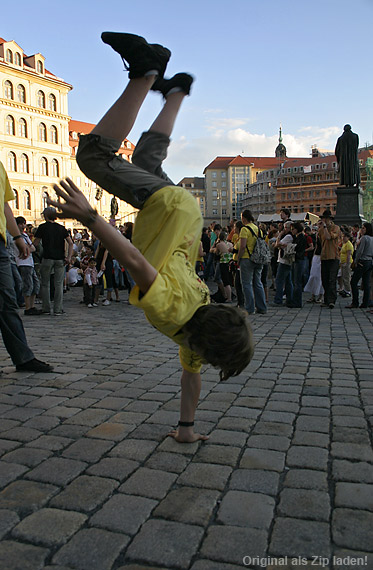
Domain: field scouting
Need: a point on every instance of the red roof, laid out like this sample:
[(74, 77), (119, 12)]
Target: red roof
[(80, 127), (254, 161)]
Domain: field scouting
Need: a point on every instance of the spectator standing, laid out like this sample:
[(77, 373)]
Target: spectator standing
[(346, 262), (90, 284), (299, 264), (53, 236), (283, 276), (329, 236), (30, 281), (363, 263)]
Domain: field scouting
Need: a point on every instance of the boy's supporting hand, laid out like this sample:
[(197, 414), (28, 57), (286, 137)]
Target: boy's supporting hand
[(186, 435), (76, 206)]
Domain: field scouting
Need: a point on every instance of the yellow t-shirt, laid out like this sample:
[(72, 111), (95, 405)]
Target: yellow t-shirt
[(6, 195), (235, 239), (167, 232), (251, 240), (346, 247)]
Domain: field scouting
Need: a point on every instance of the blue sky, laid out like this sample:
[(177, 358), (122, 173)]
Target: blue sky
[(257, 63)]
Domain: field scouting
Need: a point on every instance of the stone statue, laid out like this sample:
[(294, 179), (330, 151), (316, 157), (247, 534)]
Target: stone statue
[(346, 152), (114, 208)]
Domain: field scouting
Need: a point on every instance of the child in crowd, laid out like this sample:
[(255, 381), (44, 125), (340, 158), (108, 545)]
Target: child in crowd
[(167, 232), (90, 284)]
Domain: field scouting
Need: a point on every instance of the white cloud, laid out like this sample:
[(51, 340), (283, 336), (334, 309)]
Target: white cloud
[(228, 137)]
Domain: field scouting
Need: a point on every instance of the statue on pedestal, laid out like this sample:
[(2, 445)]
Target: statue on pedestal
[(346, 152)]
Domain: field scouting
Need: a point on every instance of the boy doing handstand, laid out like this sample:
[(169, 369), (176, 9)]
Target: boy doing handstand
[(166, 236)]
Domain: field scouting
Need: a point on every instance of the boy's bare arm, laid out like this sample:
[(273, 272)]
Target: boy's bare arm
[(77, 207)]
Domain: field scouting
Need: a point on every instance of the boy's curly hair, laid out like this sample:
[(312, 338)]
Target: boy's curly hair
[(222, 336)]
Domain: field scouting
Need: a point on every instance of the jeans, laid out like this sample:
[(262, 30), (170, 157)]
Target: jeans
[(283, 279), (11, 324), (299, 268), (47, 266), (209, 267), (252, 286), (329, 272), (361, 271)]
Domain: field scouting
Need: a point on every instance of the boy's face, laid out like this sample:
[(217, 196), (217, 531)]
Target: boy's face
[(92, 263)]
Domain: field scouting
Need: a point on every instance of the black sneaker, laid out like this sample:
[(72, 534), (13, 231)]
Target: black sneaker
[(181, 81), (137, 53), (32, 312), (34, 365)]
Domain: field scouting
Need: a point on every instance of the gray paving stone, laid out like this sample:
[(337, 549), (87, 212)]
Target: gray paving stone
[(309, 423), (85, 493), (354, 495), (353, 529), (306, 479), (210, 565), (312, 439), (91, 549), (263, 459), (49, 527), (10, 472), (111, 431), (172, 446), (135, 449), (189, 505), (239, 424), (304, 504), (123, 513), (27, 456), (255, 480), (308, 457), (227, 437), (344, 559), (50, 442), (205, 476), (253, 510), (352, 451), (277, 443), (17, 556), (170, 544), (57, 470), (357, 471), (296, 537), (231, 544), (91, 417), (26, 496), (8, 519), (114, 467), (86, 449), (151, 483), (272, 428), (218, 454), (21, 433), (165, 461)]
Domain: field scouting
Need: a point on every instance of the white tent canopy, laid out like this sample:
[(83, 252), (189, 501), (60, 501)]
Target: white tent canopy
[(301, 217)]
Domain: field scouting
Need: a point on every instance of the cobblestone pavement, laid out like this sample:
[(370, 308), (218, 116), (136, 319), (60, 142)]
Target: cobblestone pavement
[(90, 482)]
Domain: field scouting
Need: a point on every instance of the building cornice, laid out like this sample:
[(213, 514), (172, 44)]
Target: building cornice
[(47, 78), (36, 110)]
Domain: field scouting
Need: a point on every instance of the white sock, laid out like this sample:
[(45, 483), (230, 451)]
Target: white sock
[(174, 90), (151, 72)]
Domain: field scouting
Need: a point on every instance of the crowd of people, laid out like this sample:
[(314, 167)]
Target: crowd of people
[(322, 260)]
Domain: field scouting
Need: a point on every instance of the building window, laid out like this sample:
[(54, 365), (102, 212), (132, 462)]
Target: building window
[(223, 184), (223, 202), (22, 128), (42, 132), (26, 199), (17, 58), (12, 162), (214, 202), (214, 184), (41, 99), (213, 174), (223, 174), (43, 166), (9, 56), (23, 163), (21, 94), (224, 212), (214, 192), (16, 199), (44, 197), (54, 168), (224, 193), (52, 102), (214, 212), (40, 67), (8, 90), (9, 125), (53, 134)]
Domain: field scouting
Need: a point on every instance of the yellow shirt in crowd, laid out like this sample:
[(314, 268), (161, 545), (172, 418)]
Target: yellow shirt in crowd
[(346, 247), (168, 232), (251, 240), (6, 195)]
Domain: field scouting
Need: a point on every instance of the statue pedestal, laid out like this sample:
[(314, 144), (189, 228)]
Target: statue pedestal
[(349, 206)]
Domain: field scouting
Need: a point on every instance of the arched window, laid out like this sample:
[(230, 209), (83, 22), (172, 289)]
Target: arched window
[(44, 197), (42, 132), (16, 199), (8, 90), (12, 162), (43, 166), (39, 67), (54, 168), (21, 94), (53, 134), (24, 163), (52, 102), (10, 125), (9, 56), (41, 99), (22, 128), (26, 199), (17, 58)]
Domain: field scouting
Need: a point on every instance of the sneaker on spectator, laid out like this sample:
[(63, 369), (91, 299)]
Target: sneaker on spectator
[(106, 302)]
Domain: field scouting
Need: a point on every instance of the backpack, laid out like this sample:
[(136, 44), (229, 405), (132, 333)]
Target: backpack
[(261, 254)]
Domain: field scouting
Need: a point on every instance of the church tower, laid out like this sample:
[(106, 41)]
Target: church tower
[(281, 148)]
